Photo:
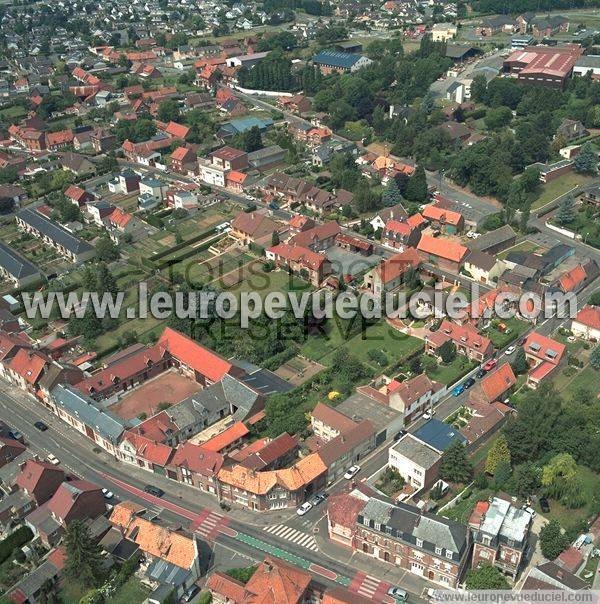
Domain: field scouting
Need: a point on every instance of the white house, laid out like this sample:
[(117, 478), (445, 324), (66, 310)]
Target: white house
[(415, 461), (213, 175), (153, 187), (586, 324)]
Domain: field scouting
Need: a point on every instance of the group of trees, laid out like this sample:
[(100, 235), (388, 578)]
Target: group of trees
[(136, 131), (274, 72)]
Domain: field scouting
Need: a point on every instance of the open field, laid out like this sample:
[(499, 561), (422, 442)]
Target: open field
[(524, 246), (169, 387), (298, 370), (452, 372)]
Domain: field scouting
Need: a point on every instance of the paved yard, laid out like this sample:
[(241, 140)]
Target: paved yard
[(169, 387)]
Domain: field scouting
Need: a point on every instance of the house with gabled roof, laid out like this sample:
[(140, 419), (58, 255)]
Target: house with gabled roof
[(543, 356), (586, 324), (442, 252), (466, 338), (389, 274), (17, 268), (313, 266)]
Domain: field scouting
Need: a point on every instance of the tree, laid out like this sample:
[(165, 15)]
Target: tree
[(552, 540), (486, 577), (566, 211), (561, 480), (527, 479), (455, 465), (168, 111), (498, 117), (275, 238), (586, 161), (595, 358), (106, 249), (447, 351), (416, 189), (84, 562), (503, 474), (253, 139), (479, 88), (391, 195), (498, 453), (519, 363)]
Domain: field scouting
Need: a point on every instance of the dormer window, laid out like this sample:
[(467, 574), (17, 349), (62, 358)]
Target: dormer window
[(419, 543)]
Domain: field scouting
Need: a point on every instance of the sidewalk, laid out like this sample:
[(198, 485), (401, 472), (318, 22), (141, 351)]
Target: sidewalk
[(372, 566)]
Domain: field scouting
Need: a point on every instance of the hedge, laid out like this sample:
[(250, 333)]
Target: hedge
[(16, 539), (187, 254)]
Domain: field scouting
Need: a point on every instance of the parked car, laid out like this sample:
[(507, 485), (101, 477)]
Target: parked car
[(53, 459), (458, 390), (152, 490), (531, 511), (317, 499), (305, 507), (41, 426), (16, 435), (480, 373), (399, 434), (188, 596), (352, 472), (544, 505), (428, 414), (107, 494), (510, 350), (468, 383), (490, 365), (397, 593)]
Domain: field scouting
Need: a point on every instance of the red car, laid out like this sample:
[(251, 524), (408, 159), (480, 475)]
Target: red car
[(490, 365)]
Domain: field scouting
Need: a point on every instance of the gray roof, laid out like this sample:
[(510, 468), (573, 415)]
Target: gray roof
[(418, 452), (265, 152), (167, 573), (54, 231), (588, 61), (15, 264), (492, 238), (504, 520), (261, 380), (76, 403), (407, 523), (481, 260), (33, 582)]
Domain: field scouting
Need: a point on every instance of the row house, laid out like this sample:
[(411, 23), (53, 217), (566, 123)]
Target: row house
[(500, 535), (414, 396), (421, 543), (68, 245), (26, 369), (196, 466), (294, 104), (317, 238), (30, 138), (253, 227), (81, 412), (445, 221), (184, 160), (16, 268), (586, 324), (466, 338), (59, 140), (274, 489), (312, 266), (144, 453)]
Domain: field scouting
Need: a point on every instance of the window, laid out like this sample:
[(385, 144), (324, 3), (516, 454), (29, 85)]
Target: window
[(486, 539), (438, 551), (449, 555), (419, 543), (377, 526)]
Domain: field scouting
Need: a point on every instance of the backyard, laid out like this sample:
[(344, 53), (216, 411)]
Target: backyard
[(559, 186)]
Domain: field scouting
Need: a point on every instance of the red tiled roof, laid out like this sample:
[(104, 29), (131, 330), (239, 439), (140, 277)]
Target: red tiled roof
[(119, 217), (301, 255), (544, 348), (343, 509), (573, 278), (433, 212), (465, 335), (496, 383), (227, 153), (177, 130), (181, 153), (66, 496), (40, 479), (279, 447), (332, 418), (443, 248), (571, 559), (225, 586), (416, 220), (226, 438), (155, 453), (317, 233), (589, 316), (158, 428), (194, 355), (398, 264), (197, 459), (59, 138), (29, 365), (237, 177), (403, 228), (275, 582)]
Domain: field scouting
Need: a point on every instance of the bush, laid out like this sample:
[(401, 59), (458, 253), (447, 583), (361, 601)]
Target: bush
[(16, 539)]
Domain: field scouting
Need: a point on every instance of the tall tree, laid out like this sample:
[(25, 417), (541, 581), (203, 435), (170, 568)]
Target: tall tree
[(595, 358), (586, 162), (253, 139), (416, 189), (566, 211), (527, 479), (519, 363), (455, 465), (84, 562), (498, 453), (391, 194), (552, 540)]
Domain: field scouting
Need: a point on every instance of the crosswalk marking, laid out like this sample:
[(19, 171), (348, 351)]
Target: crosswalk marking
[(209, 523), (368, 586), (290, 534)]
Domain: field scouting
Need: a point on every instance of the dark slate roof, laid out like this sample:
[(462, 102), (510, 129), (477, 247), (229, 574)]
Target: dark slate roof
[(15, 264), (54, 231), (166, 573), (344, 60), (438, 435), (407, 523), (262, 380), (76, 403)]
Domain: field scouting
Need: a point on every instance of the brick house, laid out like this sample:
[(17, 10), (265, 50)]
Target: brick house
[(444, 220), (390, 273), (467, 339), (194, 465), (500, 535), (543, 355), (444, 253), (309, 265), (250, 227), (184, 160)]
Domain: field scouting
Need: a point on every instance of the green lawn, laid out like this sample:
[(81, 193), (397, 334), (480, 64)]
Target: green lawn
[(380, 336), (462, 510), (266, 282), (452, 372), (500, 339), (524, 246), (133, 592), (588, 378), (560, 186)]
